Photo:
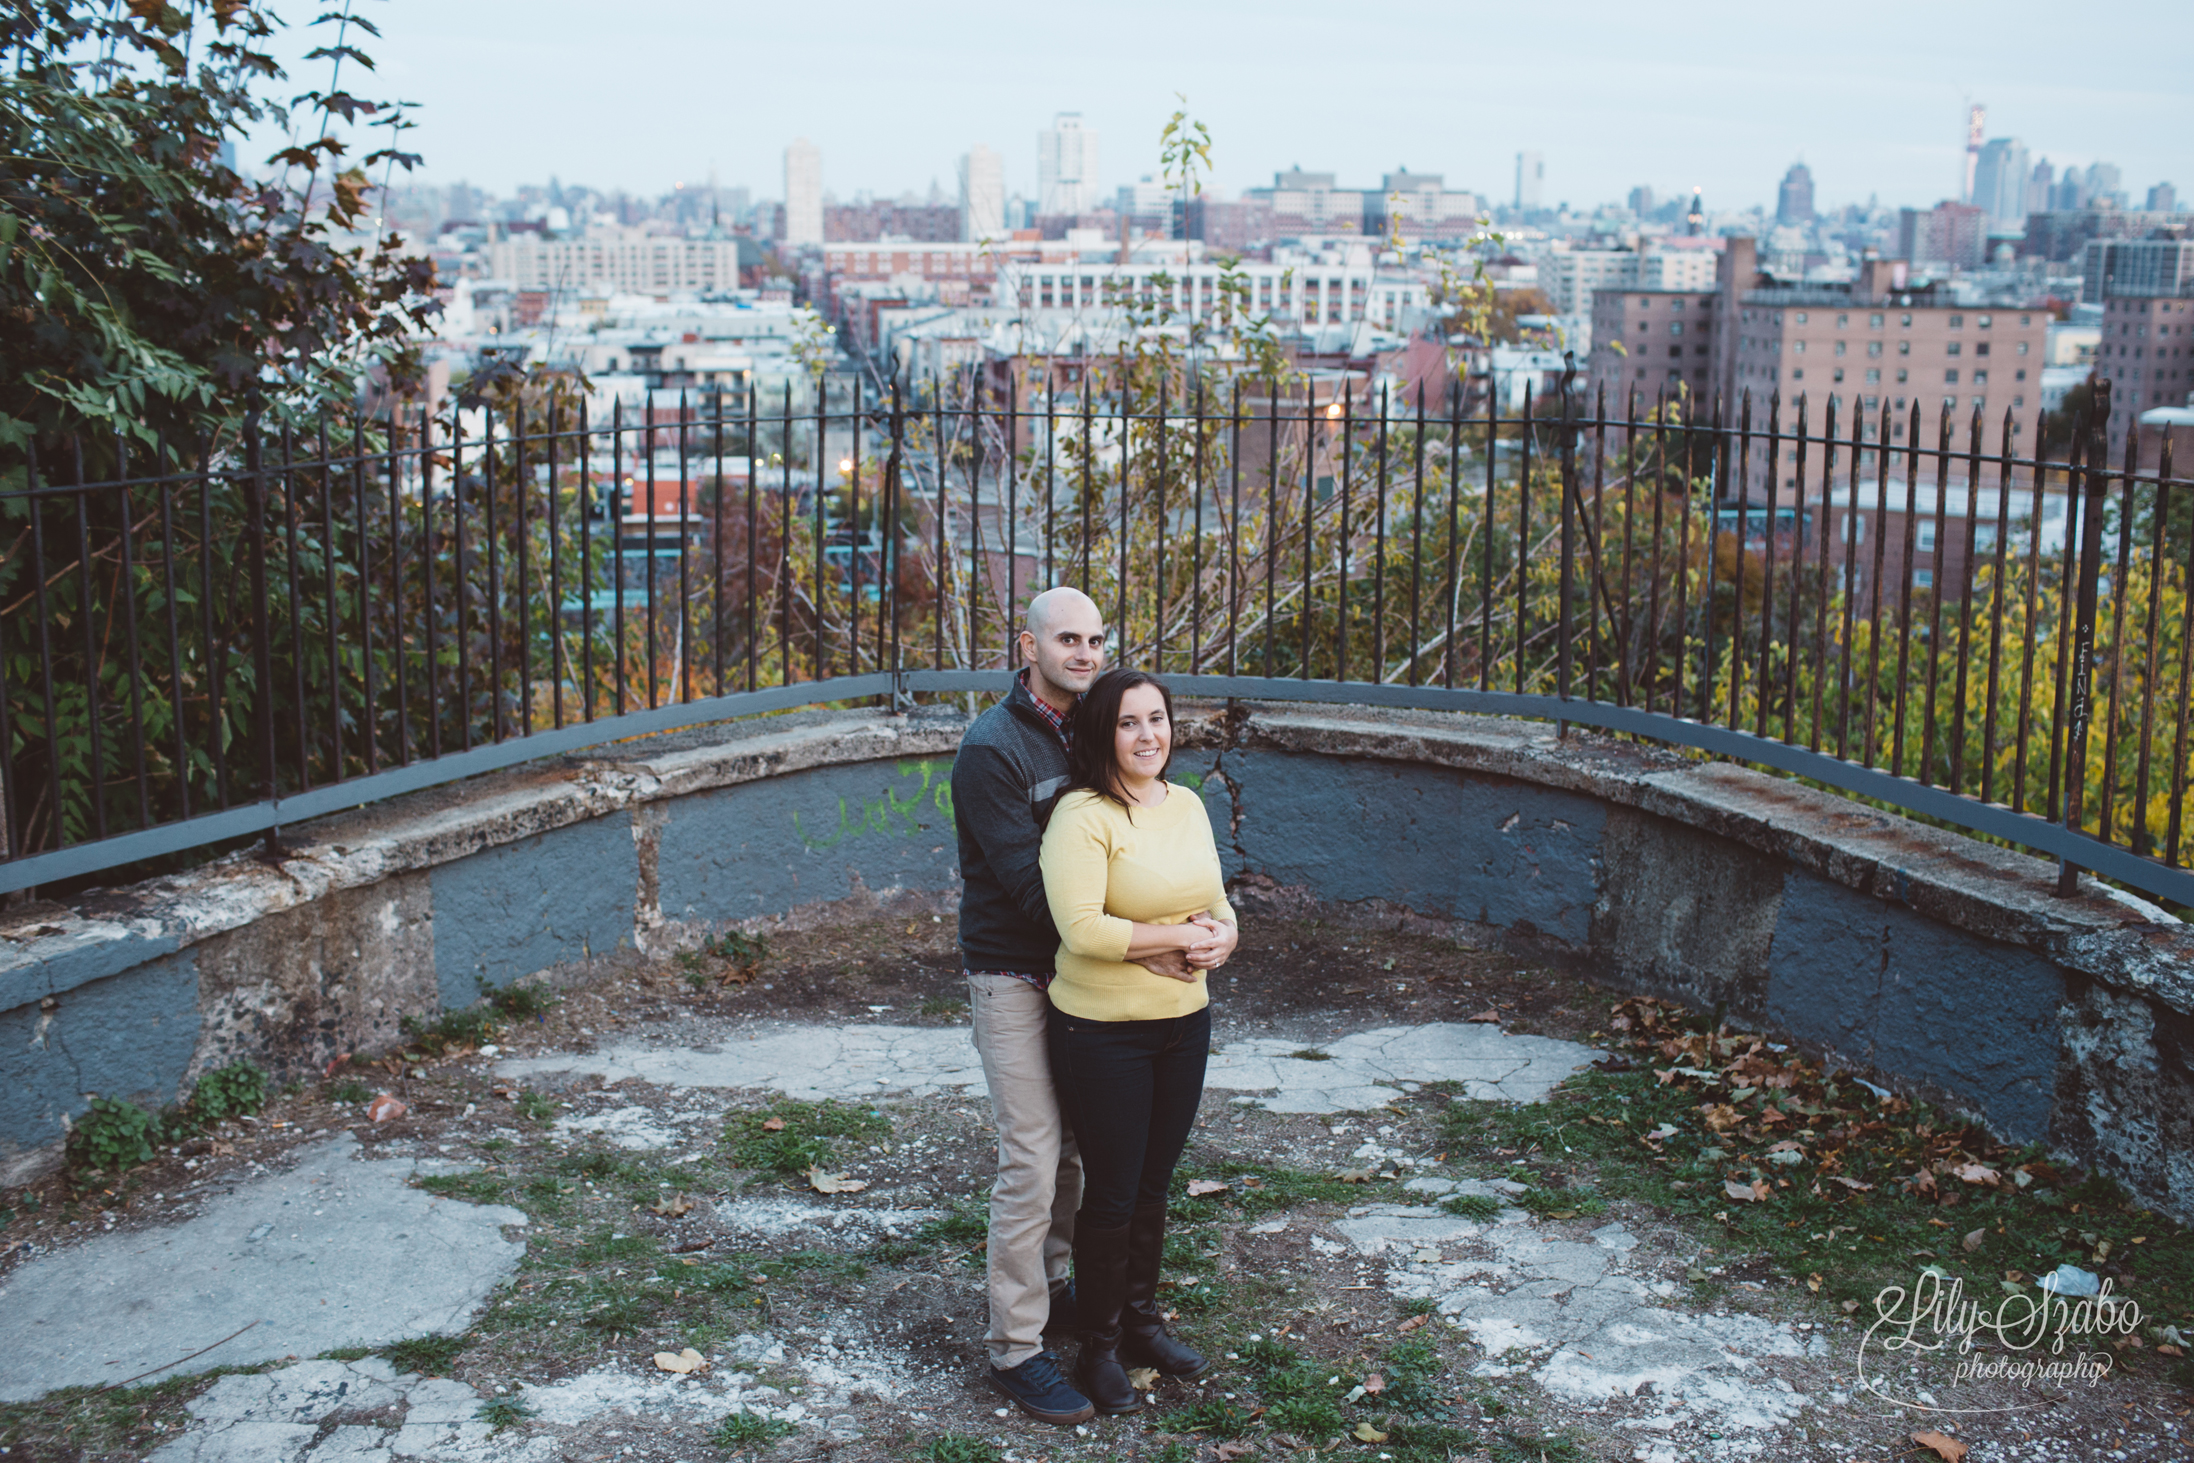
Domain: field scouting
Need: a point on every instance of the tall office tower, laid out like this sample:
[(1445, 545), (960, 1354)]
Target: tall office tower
[(2103, 190), (1066, 166), (2163, 198), (1794, 201), (2041, 186), (1530, 178), (982, 195), (2000, 180), (1976, 120), (803, 193), (1641, 200)]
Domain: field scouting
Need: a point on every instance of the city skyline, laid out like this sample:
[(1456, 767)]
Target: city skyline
[(1627, 103)]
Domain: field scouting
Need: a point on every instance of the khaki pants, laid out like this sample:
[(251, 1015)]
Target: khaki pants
[(1039, 1174)]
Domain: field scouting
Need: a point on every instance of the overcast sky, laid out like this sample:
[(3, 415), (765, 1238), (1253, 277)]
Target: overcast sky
[(647, 93)]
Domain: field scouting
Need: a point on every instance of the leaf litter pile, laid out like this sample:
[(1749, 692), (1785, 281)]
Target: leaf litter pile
[(1824, 1179)]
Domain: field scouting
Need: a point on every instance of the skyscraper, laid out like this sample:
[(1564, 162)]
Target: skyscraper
[(1066, 166), (1794, 202), (2000, 180), (803, 193), (982, 195), (1530, 178), (1976, 122), (1641, 200)]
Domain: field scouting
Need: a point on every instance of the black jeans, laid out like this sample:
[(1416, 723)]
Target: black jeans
[(1129, 1089)]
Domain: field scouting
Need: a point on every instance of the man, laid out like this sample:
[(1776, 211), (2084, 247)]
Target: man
[(1011, 769)]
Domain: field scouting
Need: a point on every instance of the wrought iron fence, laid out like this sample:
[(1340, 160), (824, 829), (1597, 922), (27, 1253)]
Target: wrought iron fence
[(207, 645)]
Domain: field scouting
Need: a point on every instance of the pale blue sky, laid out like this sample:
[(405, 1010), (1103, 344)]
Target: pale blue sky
[(1673, 94)]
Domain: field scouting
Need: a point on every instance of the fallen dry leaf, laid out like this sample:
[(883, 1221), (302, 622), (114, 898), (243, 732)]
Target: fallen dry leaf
[(681, 1362), (773, 1125), (1949, 1449), (1850, 1183), (671, 1205), (384, 1107), (1354, 1175), (1228, 1452), (1976, 1173), (2167, 1349), (1197, 1188), (1366, 1433), (1747, 1192), (834, 1183), (1974, 1237), (1488, 1014), (1375, 1384), (1813, 1282), (1411, 1324), (1142, 1378)]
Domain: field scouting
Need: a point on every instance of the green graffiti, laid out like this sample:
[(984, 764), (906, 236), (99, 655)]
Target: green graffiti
[(893, 813)]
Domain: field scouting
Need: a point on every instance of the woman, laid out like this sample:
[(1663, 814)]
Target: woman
[(1131, 872)]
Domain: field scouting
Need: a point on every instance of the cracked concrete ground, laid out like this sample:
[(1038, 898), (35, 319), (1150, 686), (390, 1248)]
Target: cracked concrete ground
[(1366, 1069), (337, 1251)]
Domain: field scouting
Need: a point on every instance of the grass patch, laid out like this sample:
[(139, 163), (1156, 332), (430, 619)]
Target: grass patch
[(1510, 1447), (430, 1356), (732, 958), (803, 1136), (1312, 1418), (350, 1092), (480, 1023), (1311, 1054), (942, 1006), (1844, 1190), (1471, 1206), (1426, 1442), (533, 1107), (478, 1187), (1214, 1417), (501, 1412), (749, 1430), (86, 1422)]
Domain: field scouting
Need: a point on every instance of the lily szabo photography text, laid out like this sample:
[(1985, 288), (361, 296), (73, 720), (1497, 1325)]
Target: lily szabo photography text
[(2029, 1338), (1113, 742)]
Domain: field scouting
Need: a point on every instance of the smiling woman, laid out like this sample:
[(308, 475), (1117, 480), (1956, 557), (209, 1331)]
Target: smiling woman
[(1132, 873)]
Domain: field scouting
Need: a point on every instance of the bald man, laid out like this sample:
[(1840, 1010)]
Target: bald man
[(1011, 768)]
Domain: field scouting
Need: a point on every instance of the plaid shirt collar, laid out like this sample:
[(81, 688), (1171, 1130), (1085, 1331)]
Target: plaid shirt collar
[(1058, 720)]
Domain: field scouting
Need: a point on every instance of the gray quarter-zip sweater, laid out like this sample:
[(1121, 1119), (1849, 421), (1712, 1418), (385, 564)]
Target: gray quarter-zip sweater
[(1011, 769)]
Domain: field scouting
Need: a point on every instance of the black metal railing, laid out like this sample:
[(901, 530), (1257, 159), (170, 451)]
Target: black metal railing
[(208, 644)]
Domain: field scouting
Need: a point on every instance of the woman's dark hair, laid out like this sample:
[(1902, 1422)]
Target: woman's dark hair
[(1091, 762)]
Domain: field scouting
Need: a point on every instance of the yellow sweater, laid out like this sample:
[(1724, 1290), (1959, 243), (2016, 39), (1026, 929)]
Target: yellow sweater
[(1102, 874)]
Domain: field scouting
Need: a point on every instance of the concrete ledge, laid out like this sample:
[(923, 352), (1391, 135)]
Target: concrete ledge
[(1944, 964)]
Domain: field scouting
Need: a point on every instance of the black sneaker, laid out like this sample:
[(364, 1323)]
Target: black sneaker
[(1065, 1318), (1041, 1391)]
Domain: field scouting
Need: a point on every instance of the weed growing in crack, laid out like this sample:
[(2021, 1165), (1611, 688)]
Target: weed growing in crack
[(1214, 1417), (749, 1430), (1471, 1206), (430, 1356), (501, 1412), (533, 1107)]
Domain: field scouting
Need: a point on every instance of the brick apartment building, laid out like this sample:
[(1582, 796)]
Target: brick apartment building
[(2147, 350), (1667, 345)]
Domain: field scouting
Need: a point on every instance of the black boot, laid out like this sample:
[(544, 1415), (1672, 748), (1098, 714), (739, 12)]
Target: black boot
[(1144, 1341), (1100, 1278)]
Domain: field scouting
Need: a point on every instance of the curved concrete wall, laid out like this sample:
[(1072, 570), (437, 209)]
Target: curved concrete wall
[(1942, 963)]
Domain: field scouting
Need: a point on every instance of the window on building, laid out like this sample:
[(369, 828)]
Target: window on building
[(1854, 529), (1905, 321), (1799, 317), (1954, 348), (2018, 401), (1980, 378), (1873, 376), (1981, 349), (2022, 347), (1874, 321), (1873, 403), (1675, 327), (1950, 376), (1927, 536), (1904, 347), (1675, 350), (1873, 347), (1956, 322), (2022, 321), (1842, 321), (1982, 321), (1798, 347), (1797, 373), (1902, 376), (1923, 578)]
